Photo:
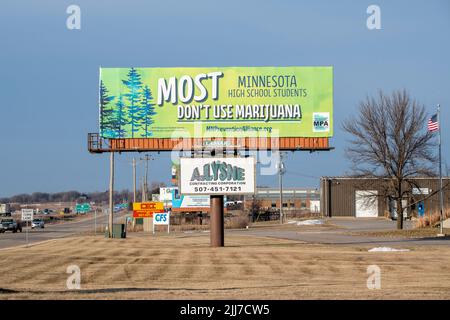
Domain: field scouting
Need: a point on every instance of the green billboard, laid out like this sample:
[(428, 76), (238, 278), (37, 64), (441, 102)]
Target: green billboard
[(216, 102)]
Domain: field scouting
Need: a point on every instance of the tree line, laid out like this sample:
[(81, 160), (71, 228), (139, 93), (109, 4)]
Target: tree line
[(76, 196)]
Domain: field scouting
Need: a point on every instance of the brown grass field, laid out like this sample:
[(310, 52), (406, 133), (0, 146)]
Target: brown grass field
[(181, 266)]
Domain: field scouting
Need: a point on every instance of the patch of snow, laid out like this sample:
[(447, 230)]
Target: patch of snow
[(291, 221), (310, 222), (387, 249)]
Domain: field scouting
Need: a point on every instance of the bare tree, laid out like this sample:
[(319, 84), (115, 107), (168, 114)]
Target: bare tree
[(390, 141)]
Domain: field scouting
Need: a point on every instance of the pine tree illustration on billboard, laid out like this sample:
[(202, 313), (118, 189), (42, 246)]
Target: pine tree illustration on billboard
[(223, 101)]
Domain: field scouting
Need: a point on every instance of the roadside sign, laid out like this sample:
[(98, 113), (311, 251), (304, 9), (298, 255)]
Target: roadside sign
[(161, 218), (27, 214), (217, 176), (82, 207), (146, 209), (165, 193)]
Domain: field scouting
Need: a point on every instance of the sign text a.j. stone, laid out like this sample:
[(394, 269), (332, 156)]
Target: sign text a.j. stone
[(217, 175)]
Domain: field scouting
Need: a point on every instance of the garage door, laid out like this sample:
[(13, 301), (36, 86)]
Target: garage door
[(366, 203)]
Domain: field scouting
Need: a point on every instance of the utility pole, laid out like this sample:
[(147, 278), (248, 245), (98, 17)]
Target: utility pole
[(143, 191), (134, 179), (280, 177), (111, 194), (145, 188)]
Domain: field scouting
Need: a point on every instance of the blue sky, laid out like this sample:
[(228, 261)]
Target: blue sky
[(49, 74)]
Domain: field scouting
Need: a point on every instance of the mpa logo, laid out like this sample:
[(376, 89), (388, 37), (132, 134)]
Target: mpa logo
[(321, 122)]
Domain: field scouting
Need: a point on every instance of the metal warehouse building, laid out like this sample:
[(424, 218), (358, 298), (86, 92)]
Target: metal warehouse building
[(293, 198), (348, 196)]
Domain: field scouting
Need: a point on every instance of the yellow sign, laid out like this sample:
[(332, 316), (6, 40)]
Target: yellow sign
[(146, 209)]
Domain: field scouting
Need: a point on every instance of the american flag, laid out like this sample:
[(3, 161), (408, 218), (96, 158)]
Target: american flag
[(433, 124)]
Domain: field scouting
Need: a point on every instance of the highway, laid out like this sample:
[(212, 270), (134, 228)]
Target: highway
[(55, 231)]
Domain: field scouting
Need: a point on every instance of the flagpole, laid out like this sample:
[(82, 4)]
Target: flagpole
[(441, 204)]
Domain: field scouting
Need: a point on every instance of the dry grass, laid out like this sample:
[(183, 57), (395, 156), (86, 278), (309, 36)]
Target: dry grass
[(239, 221), (431, 220), (405, 233), (185, 267)]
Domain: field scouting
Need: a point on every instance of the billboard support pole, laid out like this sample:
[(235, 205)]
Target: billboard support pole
[(216, 223), (111, 194)]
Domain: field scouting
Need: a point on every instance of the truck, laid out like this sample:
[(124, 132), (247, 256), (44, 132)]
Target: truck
[(5, 209), (9, 225)]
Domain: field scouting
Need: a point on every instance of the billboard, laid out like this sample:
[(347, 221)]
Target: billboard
[(217, 176), (216, 102)]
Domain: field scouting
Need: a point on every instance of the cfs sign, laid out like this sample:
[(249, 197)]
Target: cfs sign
[(161, 218), (147, 209)]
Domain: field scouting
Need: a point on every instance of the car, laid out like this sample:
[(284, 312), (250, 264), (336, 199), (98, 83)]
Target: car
[(37, 223), (10, 225)]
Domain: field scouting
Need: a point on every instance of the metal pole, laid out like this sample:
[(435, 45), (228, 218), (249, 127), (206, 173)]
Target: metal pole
[(441, 202), (27, 234), (146, 177), (111, 194), (95, 222), (134, 180), (280, 175), (216, 222)]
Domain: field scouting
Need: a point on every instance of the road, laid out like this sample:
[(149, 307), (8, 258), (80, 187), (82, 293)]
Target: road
[(340, 235), (55, 231)]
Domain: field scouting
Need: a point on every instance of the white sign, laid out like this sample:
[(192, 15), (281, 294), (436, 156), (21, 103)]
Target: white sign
[(161, 218), (217, 176), (201, 201), (27, 214), (420, 191), (165, 194)]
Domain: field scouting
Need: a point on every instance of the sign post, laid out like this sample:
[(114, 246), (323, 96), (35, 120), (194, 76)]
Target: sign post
[(27, 215), (217, 223), (161, 219)]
